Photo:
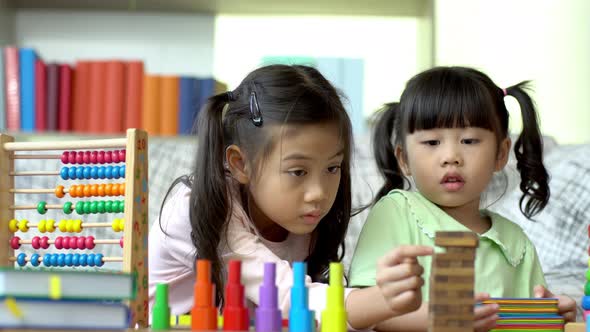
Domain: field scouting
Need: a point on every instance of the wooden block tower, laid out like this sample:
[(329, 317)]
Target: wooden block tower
[(451, 283)]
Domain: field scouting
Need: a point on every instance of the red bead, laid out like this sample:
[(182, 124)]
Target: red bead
[(14, 242), (93, 157), (79, 157), (73, 242), (81, 242), (90, 242), (100, 157), (59, 242), (44, 242), (64, 157), (122, 155), (116, 156), (35, 242), (121, 242), (66, 242), (87, 157), (108, 157)]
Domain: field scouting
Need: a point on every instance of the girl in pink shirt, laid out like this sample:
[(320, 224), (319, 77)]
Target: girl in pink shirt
[(272, 184)]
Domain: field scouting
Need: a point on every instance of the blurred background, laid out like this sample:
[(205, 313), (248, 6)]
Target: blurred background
[(368, 49)]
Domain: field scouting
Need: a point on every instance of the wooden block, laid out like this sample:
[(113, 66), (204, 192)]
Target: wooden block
[(453, 323), (6, 200), (452, 279), (452, 301), (453, 272), (450, 317), (449, 329), (438, 286), (456, 239), (575, 327), (453, 263), (450, 309), (452, 294)]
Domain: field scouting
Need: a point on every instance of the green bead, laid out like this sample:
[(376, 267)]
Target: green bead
[(94, 207), (67, 208), (109, 206), (116, 207), (122, 203), (86, 207), (80, 207), (101, 208), (41, 207), (587, 289)]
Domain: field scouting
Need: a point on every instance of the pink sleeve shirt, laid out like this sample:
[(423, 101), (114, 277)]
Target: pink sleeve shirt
[(171, 257)]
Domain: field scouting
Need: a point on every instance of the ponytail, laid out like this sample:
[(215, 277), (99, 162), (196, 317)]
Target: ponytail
[(210, 187), (529, 155), (384, 150)]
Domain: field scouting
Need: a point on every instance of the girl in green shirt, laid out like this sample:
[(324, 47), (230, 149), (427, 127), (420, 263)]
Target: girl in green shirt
[(449, 135)]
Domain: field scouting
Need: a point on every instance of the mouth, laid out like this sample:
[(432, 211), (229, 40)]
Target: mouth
[(312, 217), (452, 182)]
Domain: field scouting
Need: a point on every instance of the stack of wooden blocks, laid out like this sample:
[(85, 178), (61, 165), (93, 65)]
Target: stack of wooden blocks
[(451, 283)]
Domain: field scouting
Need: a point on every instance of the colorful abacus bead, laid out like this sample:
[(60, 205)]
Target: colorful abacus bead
[(59, 191), (35, 260), (21, 259), (13, 225), (44, 242), (41, 207), (36, 242), (15, 242), (23, 225)]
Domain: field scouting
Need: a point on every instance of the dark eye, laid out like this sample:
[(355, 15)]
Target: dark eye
[(298, 172), (334, 169), (432, 142), (470, 141)]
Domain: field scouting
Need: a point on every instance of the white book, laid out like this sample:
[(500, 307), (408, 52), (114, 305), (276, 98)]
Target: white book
[(72, 285), (63, 314)]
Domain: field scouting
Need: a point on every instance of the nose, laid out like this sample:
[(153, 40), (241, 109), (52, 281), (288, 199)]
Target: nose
[(451, 156), (315, 192)]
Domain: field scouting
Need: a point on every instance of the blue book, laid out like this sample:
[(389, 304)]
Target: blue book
[(2, 93), (62, 314), (188, 104), (27, 57), (206, 90)]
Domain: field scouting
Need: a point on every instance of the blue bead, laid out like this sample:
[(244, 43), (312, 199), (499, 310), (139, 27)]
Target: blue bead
[(94, 172), (83, 259), (47, 259), (101, 172), (64, 173), (98, 260), (35, 259), (122, 171), (21, 259), (586, 302), (54, 259), (87, 170), (115, 173), (72, 173), (90, 260), (108, 172), (80, 172), (61, 260), (69, 259), (76, 260)]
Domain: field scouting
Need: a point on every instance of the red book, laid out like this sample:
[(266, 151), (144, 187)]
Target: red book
[(114, 97), (40, 95), (65, 98), (52, 96), (81, 92), (134, 88), (96, 116)]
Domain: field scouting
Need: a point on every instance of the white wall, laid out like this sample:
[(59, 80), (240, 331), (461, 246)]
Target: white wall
[(388, 47), (6, 23), (546, 41), (168, 43)]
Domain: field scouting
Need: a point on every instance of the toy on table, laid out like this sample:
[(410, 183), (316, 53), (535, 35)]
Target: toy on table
[(301, 319), (131, 165), (235, 313), (530, 314), (268, 314), (334, 316)]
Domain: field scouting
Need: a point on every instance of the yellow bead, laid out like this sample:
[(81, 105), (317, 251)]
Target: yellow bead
[(77, 226), (23, 225), (41, 226), (50, 225), (12, 225), (63, 225), (70, 225), (115, 225), (122, 224)]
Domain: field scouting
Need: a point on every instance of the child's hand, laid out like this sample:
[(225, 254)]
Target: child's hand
[(399, 277), (566, 306), (485, 316)]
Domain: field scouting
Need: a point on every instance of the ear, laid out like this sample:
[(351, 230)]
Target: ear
[(503, 154), (401, 160), (236, 163)]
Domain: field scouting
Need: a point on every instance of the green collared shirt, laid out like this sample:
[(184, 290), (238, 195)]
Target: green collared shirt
[(506, 263)]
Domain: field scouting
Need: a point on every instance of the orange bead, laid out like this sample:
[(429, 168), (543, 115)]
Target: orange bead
[(72, 191), (86, 190), (94, 190), (59, 191), (79, 190), (115, 189), (108, 189), (122, 189), (101, 190)]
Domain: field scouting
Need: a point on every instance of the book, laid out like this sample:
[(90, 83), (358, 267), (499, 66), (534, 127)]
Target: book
[(63, 314), (12, 88), (114, 99), (40, 95), (2, 93), (52, 96), (96, 97), (169, 105), (188, 104), (150, 116), (71, 285), (65, 98), (81, 101), (27, 59), (134, 88)]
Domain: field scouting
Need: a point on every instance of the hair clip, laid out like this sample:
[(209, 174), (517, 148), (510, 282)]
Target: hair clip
[(255, 113)]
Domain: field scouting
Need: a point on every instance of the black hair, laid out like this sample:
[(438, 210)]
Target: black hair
[(458, 97), (269, 96)]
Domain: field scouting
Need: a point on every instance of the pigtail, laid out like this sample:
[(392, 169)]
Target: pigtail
[(529, 155), (209, 201), (384, 150)]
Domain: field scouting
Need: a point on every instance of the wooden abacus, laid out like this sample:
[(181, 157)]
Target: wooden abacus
[(134, 206)]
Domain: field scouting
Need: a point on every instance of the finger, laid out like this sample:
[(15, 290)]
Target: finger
[(539, 291), (479, 297), (398, 254), (485, 324), (393, 289), (569, 316), (486, 310), (399, 272), (406, 302)]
